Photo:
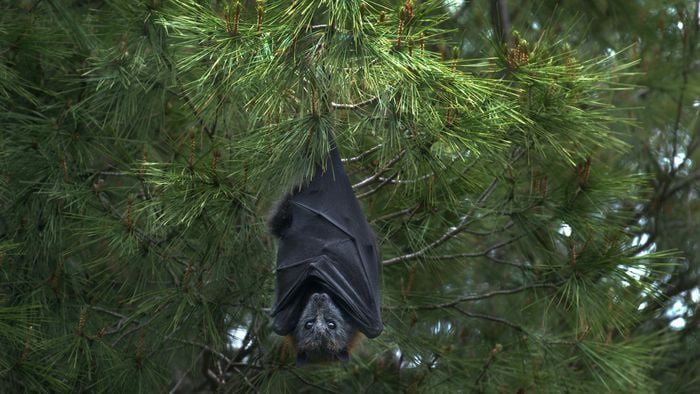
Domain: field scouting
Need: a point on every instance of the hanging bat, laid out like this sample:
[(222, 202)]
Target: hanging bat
[(327, 277)]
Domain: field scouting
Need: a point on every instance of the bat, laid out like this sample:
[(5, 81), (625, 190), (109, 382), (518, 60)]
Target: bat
[(327, 276)]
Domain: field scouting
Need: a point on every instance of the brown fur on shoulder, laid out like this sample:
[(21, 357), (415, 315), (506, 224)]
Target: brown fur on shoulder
[(289, 349), (355, 340)]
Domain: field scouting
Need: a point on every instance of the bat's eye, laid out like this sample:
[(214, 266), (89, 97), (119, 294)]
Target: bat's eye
[(331, 324), (309, 324)]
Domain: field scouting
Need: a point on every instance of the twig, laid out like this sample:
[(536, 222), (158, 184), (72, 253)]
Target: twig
[(500, 21), (489, 232), (400, 181), (504, 262), (110, 173), (489, 294), (681, 98), (115, 328), (312, 384), (392, 215), (245, 378), (376, 189), (463, 223), (492, 356), (138, 232), (201, 346), (195, 112), (230, 363), (219, 380), (374, 177), (107, 311), (491, 318), (355, 105), (476, 254), (449, 234), (136, 327), (683, 183), (169, 337), (33, 6), (184, 375), (362, 155), (427, 176)]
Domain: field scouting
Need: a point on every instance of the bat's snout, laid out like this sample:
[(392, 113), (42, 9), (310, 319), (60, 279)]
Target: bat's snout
[(320, 298)]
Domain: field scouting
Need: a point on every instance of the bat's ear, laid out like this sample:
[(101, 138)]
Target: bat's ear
[(343, 355), (301, 359)]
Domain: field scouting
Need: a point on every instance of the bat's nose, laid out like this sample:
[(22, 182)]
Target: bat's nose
[(319, 297)]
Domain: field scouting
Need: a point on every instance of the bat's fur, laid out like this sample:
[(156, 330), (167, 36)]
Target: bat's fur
[(323, 332), (281, 219)]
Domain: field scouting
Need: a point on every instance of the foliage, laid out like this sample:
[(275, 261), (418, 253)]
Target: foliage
[(145, 142), (664, 37)]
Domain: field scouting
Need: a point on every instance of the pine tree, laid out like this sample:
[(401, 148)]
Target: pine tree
[(144, 142), (664, 38)]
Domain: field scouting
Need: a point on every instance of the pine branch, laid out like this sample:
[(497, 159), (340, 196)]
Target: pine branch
[(119, 326), (406, 181), (688, 57), (393, 215), (140, 234), (123, 322), (683, 183), (137, 326), (489, 232), (476, 254), (355, 105), (500, 21), (464, 222), (202, 346), (186, 373), (490, 318), (376, 175), (363, 154), (496, 260), (33, 6), (487, 364), (447, 236), (379, 187), (244, 377), (219, 380), (489, 294), (195, 113), (312, 384)]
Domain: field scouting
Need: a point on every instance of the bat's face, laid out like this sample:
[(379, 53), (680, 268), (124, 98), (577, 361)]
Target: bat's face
[(322, 328)]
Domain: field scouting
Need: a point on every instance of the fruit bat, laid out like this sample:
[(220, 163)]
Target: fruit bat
[(325, 246)]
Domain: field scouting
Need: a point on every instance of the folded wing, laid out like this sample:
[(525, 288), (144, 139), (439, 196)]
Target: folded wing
[(328, 244)]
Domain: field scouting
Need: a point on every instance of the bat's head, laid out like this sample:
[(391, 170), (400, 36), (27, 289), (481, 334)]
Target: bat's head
[(323, 331)]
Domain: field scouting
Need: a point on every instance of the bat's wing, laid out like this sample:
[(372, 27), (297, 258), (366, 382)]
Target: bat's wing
[(330, 245)]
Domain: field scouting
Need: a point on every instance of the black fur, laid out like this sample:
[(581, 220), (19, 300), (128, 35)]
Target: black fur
[(280, 221)]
